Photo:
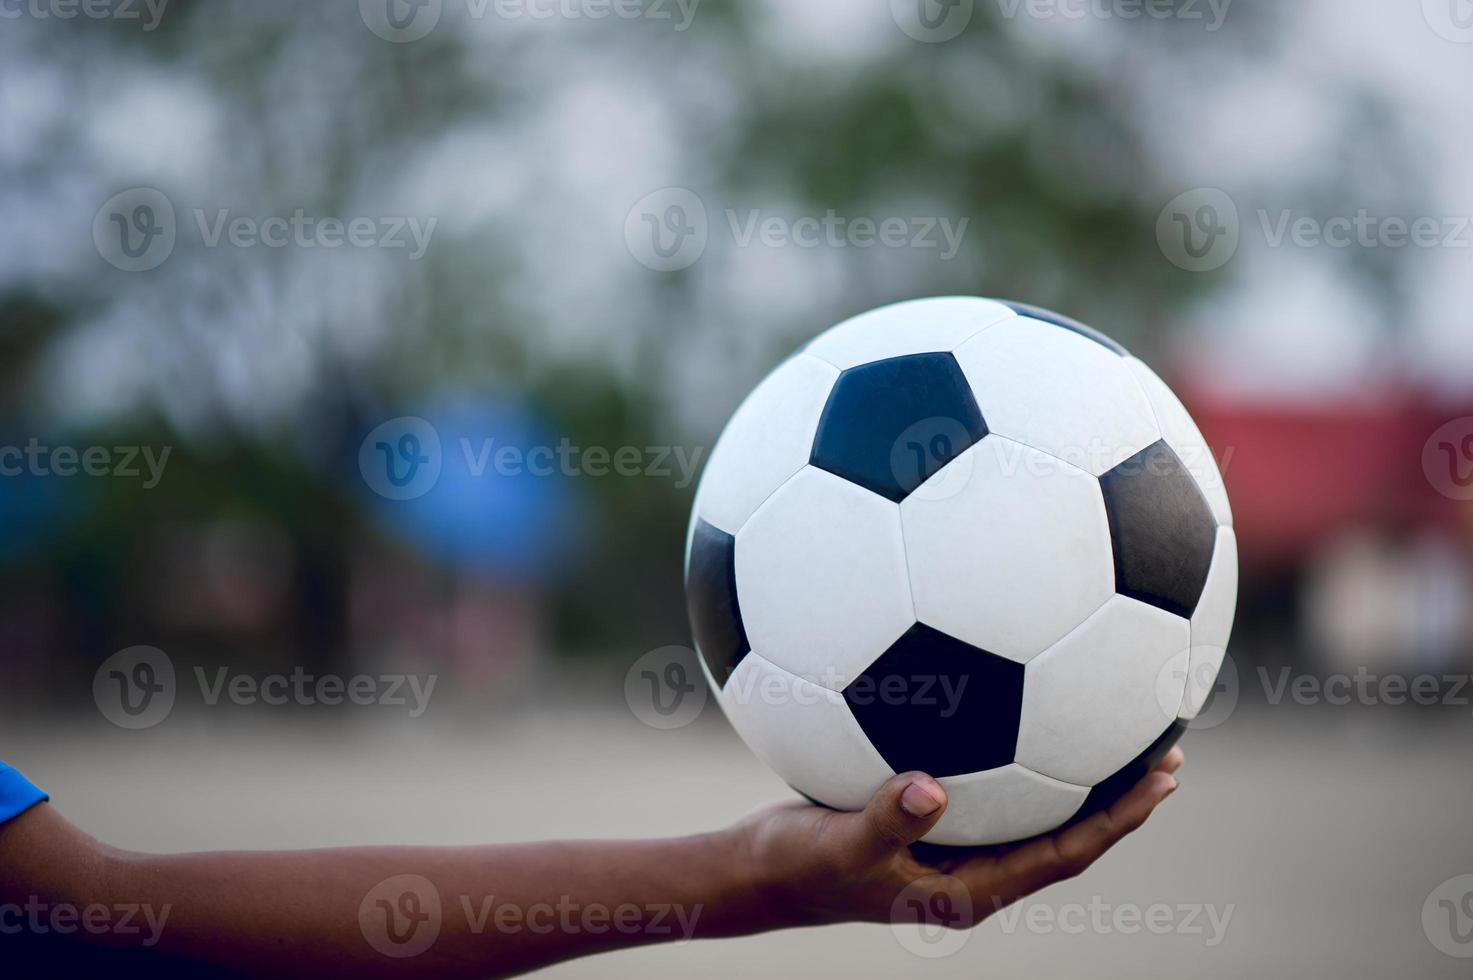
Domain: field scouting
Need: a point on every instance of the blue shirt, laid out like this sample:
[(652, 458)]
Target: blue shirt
[(17, 795)]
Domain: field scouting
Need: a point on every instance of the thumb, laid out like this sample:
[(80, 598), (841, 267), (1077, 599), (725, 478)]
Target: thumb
[(901, 813)]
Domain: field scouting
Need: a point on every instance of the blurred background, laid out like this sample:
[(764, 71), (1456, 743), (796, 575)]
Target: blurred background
[(388, 338)]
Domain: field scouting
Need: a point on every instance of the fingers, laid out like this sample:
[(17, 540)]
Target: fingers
[(1084, 843), (1172, 761), (901, 813), (1063, 855)]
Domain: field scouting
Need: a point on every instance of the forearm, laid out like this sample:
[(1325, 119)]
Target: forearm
[(421, 911), (489, 911)]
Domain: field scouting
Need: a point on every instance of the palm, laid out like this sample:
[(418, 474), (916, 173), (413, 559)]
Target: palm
[(834, 866)]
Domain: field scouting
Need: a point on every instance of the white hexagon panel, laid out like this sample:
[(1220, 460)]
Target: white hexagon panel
[(803, 732), (1186, 440), (1058, 391), (1212, 624), (820, 571), (1094, 700), (919, 326), (1002, 805), (767, 441), (1015, 556)]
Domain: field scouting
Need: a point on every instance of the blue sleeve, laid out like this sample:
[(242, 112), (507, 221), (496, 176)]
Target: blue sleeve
[(17, 795)]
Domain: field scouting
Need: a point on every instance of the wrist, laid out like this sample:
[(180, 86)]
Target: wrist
[(746, 892)]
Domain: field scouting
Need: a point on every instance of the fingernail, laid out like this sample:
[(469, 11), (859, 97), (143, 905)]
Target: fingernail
[(920, 800)]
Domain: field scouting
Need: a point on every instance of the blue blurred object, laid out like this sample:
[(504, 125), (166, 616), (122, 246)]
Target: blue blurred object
[(36, 507), (474, 482)]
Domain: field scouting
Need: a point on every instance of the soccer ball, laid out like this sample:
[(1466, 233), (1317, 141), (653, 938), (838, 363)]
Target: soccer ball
[(967, 537)]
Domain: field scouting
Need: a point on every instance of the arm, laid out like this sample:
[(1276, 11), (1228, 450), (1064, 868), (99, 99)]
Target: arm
[(507, 909)]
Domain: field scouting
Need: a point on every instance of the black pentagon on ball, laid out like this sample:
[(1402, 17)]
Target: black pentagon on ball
[(711, 600), (1161, 528), (934, 703), (1059, 320), (890, 425)]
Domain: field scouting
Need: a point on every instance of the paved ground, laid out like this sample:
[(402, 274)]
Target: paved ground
[(1324, 831)]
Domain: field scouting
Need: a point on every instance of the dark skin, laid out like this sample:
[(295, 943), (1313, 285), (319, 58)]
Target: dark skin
[(297, 913)]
